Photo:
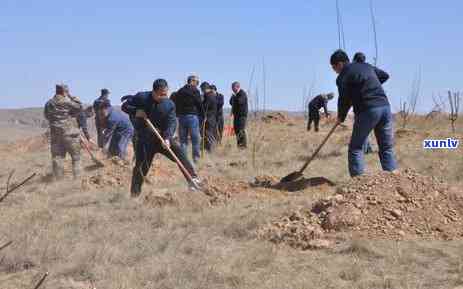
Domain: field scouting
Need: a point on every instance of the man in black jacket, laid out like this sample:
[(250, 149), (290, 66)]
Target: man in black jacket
[(359, 86), (318, 102), (239, 104), (210, 117), (189, 108), (220, 119), (160, 110)]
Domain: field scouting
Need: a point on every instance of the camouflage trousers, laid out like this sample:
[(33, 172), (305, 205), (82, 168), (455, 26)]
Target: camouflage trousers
[(60, 146)]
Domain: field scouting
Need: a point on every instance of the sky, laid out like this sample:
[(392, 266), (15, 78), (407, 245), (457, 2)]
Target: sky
[(125, 45)]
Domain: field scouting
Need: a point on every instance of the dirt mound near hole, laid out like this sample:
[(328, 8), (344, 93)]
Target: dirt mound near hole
[(405, 205), (157, 201), (220, 192)]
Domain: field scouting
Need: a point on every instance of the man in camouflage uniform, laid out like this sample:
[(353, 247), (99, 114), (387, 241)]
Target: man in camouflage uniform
[(61, 112)]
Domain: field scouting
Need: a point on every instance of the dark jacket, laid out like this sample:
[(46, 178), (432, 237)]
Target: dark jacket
[(318, 102), (239, 103), (188, 101), (359, 86), (220, 103), (210, 105), (161, 114)]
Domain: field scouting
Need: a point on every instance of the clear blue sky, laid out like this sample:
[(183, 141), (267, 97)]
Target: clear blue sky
[(125, 45)]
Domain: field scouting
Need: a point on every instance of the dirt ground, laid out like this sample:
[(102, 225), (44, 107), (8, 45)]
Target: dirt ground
[(245, 230)]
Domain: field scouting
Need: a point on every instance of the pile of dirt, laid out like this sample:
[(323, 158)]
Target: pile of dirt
[(115, 173), (275, 117), (220, 192), (404, 205), (156, 201)]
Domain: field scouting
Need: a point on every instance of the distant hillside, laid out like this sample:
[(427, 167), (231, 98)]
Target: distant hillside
[(26, 116)]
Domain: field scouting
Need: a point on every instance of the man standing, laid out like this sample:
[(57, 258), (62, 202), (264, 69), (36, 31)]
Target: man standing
[(61, 112), (239, 104), (210, 117), (314, 109), (117, 130), (360, 87), (219, 118), (160, 110), (104, 97), (188, 106)]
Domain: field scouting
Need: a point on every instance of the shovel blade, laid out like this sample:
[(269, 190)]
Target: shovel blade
[(291, 177)]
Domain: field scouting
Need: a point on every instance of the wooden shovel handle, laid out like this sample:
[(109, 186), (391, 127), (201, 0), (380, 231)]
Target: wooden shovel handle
[(180, 165), (319, 148)]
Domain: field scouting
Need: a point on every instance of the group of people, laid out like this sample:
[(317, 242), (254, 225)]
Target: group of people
[(199, 115)]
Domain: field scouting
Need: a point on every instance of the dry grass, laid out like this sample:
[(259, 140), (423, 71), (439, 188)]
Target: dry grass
[(102, 239)]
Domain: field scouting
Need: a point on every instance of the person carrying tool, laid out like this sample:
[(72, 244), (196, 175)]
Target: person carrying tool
[(239, 104), (155, 106), (104, 97), (314, 109), (219, 117), (117, 130), (209, 117), (61, 112), (189, 108), (359, 86)]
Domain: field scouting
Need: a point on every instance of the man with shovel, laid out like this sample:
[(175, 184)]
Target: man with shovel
[(320, 101), (359, 86), (156, 125)]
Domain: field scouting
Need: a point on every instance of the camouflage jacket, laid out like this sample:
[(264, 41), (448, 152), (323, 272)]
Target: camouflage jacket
[(62, 112)]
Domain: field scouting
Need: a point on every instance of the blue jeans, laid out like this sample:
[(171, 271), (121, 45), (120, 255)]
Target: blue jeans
[(189, 126), (378, 119)]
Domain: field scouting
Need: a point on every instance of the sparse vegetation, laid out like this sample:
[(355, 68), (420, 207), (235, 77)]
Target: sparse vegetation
[(93, 235)]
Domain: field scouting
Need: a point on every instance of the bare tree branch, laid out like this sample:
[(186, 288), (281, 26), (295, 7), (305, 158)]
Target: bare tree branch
[(373, 20), (41, 281), (9, 191), (6, 245)]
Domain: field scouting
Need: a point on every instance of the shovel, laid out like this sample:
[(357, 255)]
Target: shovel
[(180, 165), (297, 174), (94, 159)]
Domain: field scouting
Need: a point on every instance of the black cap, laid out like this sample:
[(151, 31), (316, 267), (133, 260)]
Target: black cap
[(104, 91), (205, 85), (359, 57), (339, 56)]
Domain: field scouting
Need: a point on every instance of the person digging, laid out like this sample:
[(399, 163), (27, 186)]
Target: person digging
[(320, 101), (156, 125), (360, 87)]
